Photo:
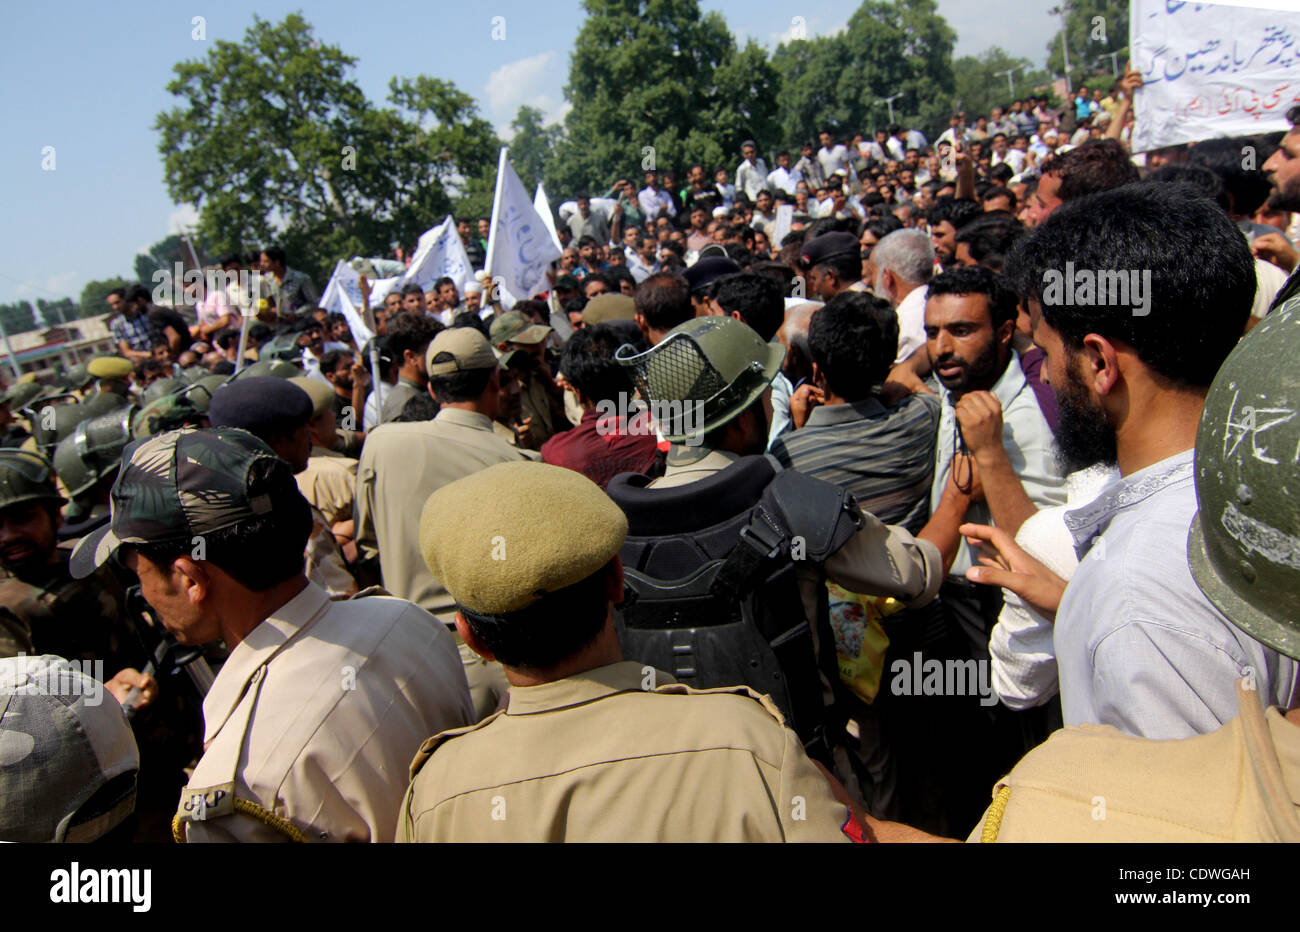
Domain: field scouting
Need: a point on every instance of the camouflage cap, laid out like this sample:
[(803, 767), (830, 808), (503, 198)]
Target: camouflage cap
[(516, 327), (26, 476), (175, 487), (70, 758)]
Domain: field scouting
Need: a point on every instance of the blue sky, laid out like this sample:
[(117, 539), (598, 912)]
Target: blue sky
[(88, 78)]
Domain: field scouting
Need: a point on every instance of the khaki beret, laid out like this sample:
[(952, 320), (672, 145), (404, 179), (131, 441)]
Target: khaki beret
[(466, 349), (491, 537), (109, 367), (608, 306), (322, 395)]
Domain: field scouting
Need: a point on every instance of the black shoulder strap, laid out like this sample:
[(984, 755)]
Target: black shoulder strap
[(749, 562)]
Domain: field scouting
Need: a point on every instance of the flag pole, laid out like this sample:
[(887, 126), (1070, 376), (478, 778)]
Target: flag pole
[(486, 280)]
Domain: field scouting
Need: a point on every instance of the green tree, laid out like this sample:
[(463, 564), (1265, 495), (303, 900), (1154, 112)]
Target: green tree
[(649, 81), (981, 82), (274, 142), (1093, 28), (94, 297), (18, 317), (162, 255), (532, 146), (62, 311), (890, 47)]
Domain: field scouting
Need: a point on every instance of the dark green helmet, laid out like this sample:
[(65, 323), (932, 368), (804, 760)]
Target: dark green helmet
[(93, 451), (161, 387), (170, 413), (1244, 545), (77, 377), (102, 403), (53, 422), (26, 477), (21, 394), (704, 373)]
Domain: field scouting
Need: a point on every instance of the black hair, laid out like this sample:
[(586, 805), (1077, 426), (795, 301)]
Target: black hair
[(120, 292), (1199, 177), (330, 361), (1097, 165), (412, 288), (957, 211), (411, 332), (854, 340), (991, 237), (664, 300), (998, 191), (758, 299), (275, 254), (589, 365), (460, 386), (472, 320), (445, 280), (420, 407), (1202, 275), (880, 227), (601, 277), (1001, 173), (259, 552), (137, 293), (975, 279), (620, 273), (553, 628)]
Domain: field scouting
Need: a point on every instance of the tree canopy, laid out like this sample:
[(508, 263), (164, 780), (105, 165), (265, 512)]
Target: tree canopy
[(274, 142)]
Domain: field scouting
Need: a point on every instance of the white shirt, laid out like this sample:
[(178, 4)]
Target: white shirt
[(1028, 440), (752, 178), (833, 160), (1022, 658), (1138, 645), (911, 323), (655, 201), (785, 180), (1014, 157)]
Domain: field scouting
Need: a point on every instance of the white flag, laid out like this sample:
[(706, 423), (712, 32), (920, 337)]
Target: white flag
[(520, 248), (543, 208), (343, 296), (440, 252)]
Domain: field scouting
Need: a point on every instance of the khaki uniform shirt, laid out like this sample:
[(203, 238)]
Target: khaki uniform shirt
[(401, 466), (622, 754), (315, 716), (1093, 783), (329, 483)]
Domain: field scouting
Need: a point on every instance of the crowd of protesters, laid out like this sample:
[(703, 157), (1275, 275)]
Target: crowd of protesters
[(861, 348)]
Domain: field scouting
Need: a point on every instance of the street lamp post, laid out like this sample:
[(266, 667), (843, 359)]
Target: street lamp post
[(889, 102), (1011, 81), (1065, 51)]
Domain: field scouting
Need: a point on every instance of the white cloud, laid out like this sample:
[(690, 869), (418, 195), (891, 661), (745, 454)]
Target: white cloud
[(179, 220), (802, 27), (535, 82)]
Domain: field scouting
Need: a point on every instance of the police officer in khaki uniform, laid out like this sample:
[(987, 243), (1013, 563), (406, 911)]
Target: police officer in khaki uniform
[(541, 400), (311, 722), (1242, 782), (590, 748), (403, 463)]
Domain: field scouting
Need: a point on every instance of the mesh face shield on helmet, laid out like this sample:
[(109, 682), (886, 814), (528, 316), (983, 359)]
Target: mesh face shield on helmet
[(94, 451), (704, 373)]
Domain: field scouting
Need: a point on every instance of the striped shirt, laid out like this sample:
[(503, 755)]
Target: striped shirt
[(884, 456)]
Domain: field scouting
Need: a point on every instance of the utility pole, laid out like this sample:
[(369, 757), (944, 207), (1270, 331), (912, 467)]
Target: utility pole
[(1011, 82), (889, 102), (1065, 51)]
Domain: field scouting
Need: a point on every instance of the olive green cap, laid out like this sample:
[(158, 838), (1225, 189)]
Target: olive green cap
[(1244, 543), (25, 477), (110, 367), (490, 537), (458, 349), (517, 327), (606, 307), (322, 395), (704, 373)]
